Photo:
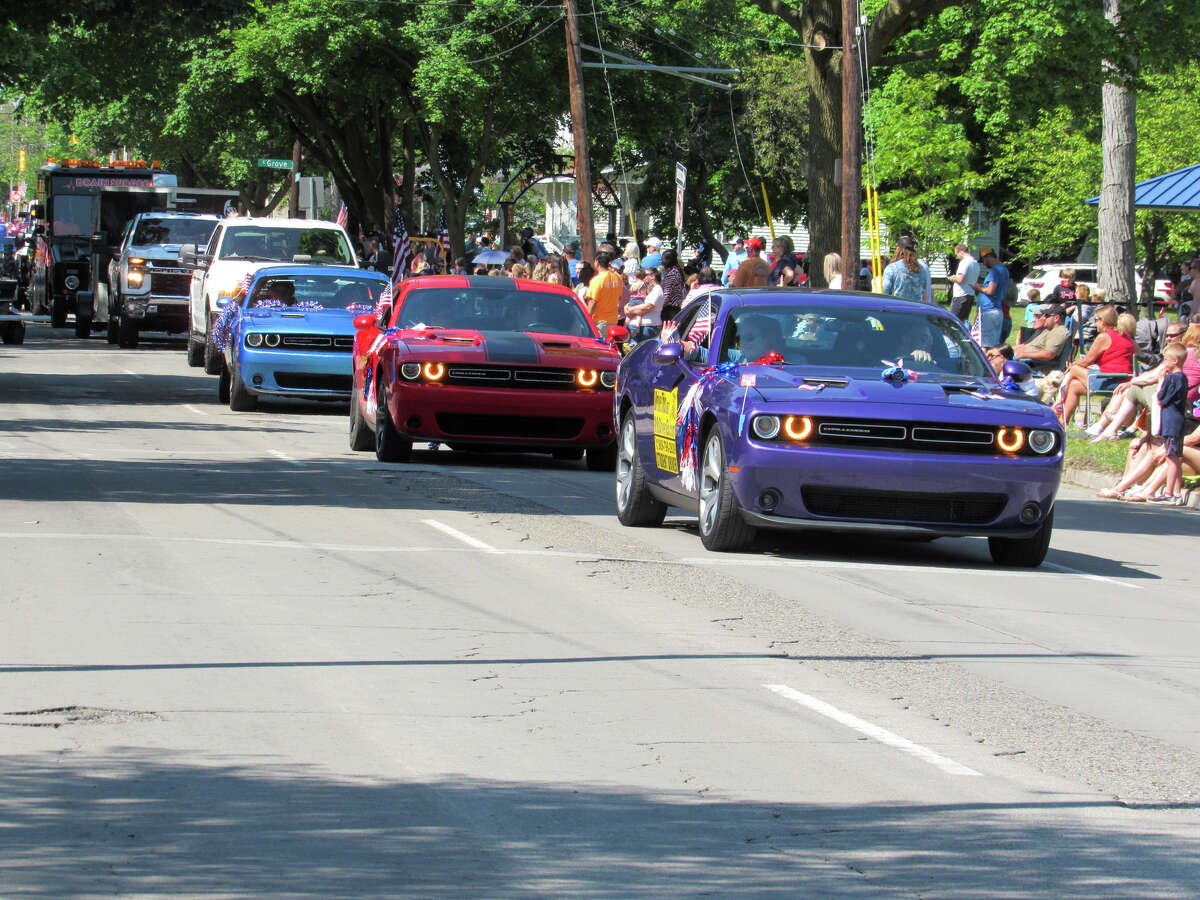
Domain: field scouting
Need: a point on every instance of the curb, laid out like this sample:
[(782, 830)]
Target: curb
[(1093, 480)]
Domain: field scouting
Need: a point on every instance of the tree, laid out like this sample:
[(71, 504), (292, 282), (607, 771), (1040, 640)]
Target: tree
[(1119, 154)]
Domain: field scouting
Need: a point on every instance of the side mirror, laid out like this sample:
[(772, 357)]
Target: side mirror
[(366, 320), (222, 302), (617, 334), (667, 354)]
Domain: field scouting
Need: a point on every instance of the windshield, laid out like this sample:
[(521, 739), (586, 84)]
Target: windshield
[(493, 309), (851, 337), (321, 245), (342, 291), (72, 215), (174, 231)]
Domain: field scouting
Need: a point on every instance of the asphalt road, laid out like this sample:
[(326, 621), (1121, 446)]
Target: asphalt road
[(239, 660)]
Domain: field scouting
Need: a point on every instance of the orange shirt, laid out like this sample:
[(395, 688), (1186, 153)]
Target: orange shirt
[(604, 291), (753, 271)]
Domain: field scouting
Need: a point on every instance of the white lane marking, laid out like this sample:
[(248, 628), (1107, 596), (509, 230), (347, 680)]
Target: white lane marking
[(131, 372), (460, 536), (1082, 574), (882, 735), (197, 410), (286, 458)]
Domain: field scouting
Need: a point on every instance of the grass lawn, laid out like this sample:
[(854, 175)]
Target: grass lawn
[(1107, 457)]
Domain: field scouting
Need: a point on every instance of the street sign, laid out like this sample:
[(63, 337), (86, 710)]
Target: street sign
[(274, 163), (680, 176)]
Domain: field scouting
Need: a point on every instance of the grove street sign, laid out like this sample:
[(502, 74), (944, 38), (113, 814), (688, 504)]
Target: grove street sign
[(274, 163)]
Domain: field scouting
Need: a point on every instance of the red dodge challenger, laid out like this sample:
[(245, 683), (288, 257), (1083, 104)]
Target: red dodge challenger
[(483, 362)]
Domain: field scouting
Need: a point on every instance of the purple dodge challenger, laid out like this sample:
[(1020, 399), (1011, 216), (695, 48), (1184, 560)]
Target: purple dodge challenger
[(787, 408)]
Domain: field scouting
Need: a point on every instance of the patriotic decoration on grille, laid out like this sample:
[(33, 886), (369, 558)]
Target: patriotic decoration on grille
[(402, 247)]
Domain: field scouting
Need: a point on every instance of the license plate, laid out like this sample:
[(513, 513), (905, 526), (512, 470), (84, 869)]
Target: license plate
[(152, 308)]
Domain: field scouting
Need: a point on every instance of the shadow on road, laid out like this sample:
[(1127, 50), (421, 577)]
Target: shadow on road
[(140, 822)]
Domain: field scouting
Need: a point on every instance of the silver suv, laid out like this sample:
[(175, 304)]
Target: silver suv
[(147, 286)]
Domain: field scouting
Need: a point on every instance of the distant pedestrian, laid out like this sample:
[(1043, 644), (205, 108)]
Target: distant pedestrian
[(962, 284), (1172, 397), (604, 293), (653, 257), (735, 258), (572, 257), (754, 270), (644, 315), (906, 276), (672, 285), (786, 269), (833, 271), (989, 297), (586, 272)]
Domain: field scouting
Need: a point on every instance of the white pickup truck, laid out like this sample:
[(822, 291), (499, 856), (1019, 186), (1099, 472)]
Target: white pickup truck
[(239, 246)]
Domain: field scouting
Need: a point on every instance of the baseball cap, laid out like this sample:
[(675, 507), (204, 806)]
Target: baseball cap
[(738, 240), (906, 243), (755, 243), (653, 242), (1053, 309), (986, 251)]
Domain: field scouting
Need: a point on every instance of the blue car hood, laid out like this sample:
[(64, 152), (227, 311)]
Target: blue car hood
[(308, 321)]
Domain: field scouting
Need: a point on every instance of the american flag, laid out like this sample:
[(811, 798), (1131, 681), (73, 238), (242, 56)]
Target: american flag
[(247, 280), (403, 250), (384, 302), (977, 328), (444, 234), (702, 325), (342, 216)]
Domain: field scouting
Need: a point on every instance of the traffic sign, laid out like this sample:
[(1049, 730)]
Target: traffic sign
[(274, 163), (680, 176), (678, 208)]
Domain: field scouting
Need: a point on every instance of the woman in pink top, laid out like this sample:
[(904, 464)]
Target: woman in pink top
[(1111, 355), (1191, 366)]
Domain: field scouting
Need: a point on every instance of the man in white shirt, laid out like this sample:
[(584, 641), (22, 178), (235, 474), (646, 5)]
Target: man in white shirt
[(962, 292), (735, 258), (643, 317)]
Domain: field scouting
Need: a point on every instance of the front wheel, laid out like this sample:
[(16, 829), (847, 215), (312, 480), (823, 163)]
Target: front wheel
[(223, 385), (240, 399), (722, 528), (602, 459), (635, 505), (389, 446), (58, 312), (195, 352), (112, 331), (127, 335), (83, 326), (360, 433), (14, 334), (1026, 553), (212, 358)]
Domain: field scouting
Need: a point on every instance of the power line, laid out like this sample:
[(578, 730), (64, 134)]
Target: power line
[(540, 31)]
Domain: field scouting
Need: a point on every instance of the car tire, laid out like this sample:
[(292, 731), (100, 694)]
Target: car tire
[(14, 334), (83, 326), (113, 330), (602, 459), (223, 385), (195, 352), (240, 399), (722, 528), (212, 359), (58, 312), (389, 446), (127, 335), (636, 507), (361, 437), (1025, 553), (567, 454)]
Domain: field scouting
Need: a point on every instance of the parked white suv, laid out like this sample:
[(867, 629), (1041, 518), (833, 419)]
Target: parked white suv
[(243, 245), (1045, 277)]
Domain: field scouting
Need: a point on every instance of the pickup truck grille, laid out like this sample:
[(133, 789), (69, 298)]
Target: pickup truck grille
[(169, 284)]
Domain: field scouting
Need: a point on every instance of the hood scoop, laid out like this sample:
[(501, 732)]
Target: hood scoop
[(829, 381), (288, 315)]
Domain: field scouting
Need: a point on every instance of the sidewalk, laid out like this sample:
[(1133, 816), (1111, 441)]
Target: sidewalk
[(1089, 478)]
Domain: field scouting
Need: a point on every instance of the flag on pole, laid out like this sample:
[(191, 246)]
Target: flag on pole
[(444, 234), (342, 216), (977, 329), (402, 248)]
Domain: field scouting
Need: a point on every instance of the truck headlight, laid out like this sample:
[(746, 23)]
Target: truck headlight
[(71, 282), (135, 277)]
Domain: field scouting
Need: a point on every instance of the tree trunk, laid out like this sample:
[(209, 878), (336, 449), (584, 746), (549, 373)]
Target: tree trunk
[(1117, 250), (823, 72)]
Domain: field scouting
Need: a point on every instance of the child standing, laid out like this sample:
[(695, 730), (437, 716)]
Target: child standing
[(1172, 397)]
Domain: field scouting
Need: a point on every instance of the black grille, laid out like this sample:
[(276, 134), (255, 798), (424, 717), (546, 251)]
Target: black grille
[(304, 381), (478, 373), (946, 434), (317, 342), (543, 379), (867, 431), (560, 428), (929, 437), (895, 506), (169, 285)]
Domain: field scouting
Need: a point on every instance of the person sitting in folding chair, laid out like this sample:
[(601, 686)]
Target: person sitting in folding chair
[(1108, 362)]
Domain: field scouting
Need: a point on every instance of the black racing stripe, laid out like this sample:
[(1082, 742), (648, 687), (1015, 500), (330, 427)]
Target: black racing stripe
[(510, 347)]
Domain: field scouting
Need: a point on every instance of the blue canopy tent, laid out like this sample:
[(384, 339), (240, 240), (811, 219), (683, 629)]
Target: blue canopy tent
[(1177, 191)]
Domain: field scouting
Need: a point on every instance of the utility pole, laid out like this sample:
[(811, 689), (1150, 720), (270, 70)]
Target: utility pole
[(294, 194), (583, 168), (851, 140)]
